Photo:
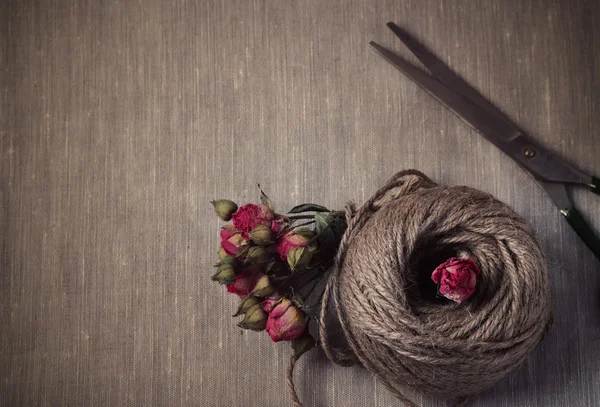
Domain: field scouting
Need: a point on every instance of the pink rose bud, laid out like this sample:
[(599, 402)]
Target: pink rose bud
[(229, 229), (285, 322), (225, 274), (255, 319), (291, 240), (249, 216), (234, 244), (270, 303), (224, 208), (279, 223), (263, 287), (244, 282), (261, 235), (456, 278), (247, 302)]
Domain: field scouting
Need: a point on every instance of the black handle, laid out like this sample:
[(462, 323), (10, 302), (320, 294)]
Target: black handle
[(595, 185), (584, 231)]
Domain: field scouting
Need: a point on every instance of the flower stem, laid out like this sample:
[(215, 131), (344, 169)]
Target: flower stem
[(295, 217), (310, 222), (284, 231)]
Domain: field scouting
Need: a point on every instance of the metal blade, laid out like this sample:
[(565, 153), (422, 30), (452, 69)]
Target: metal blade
[(498, 130), (443, 73), (558, 193), (493, 128)]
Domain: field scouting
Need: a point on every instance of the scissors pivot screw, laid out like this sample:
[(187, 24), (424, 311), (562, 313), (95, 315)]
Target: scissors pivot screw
[(529, 153)]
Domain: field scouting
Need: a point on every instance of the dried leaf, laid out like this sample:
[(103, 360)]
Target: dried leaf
[(308, 208), (303, 344)]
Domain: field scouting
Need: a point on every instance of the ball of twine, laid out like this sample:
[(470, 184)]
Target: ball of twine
[(381, 310)]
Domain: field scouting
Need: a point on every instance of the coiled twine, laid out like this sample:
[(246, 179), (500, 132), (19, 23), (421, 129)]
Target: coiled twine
[(380, 308)]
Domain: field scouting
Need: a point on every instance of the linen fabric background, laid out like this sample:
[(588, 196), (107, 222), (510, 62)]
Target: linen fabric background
[(120, 121)]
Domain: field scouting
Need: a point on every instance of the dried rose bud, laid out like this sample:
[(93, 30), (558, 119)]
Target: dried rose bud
[(258, 255), (224, 208), (254, 318), (247, 302), (222, 253), (225, 274), (228, 228), (285, 321), (251, 215), (298, 258), (234, 244), (291, 240), (261, 235), (263, 287), (228, 260), (279, 223), (456, 278), (244, 282), (270, 303)]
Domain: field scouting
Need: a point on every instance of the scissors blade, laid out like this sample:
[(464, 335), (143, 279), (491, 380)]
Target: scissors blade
[(443, 73), (498, 130), (493, 128)]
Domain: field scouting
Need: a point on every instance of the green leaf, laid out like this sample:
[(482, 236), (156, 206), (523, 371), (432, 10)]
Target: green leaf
[(322, 221), (268, 267), (303, 344), (304, 232), (308, 208), (298, 300), (339, 226), (325, 233)]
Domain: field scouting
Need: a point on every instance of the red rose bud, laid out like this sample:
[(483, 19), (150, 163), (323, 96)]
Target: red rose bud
[(258, 255), (249, 216), (233, 244), (291, 240), (263, 287), (285, 322), (270, 303), (456, 278), (224, 208), (298, 258), (247, 302), (255, 319), (244, 282), (261, 235), (225, 274)]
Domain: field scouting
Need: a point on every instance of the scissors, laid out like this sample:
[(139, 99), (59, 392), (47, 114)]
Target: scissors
[(550, 172)]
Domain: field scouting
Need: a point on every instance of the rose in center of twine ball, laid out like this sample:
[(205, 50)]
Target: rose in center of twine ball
[(381, 309)]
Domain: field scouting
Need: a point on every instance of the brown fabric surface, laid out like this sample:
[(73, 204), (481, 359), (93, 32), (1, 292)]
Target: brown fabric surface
[(121, 120)]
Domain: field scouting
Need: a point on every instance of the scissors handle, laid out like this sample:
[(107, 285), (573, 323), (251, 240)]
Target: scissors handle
[(583, 230)]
